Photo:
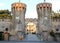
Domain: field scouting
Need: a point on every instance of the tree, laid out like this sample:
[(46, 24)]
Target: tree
[(5, 12)]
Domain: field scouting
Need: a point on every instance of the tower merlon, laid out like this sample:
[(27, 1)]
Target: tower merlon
[(44, 4), (18, 6)]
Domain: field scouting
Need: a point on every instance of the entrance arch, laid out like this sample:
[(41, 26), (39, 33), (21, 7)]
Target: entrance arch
[(31, 27), (31, 23)]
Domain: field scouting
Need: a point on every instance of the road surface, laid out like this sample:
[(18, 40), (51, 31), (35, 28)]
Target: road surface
[(30, 38)]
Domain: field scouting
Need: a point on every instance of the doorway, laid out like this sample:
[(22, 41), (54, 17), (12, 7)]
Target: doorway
[(31, 27)]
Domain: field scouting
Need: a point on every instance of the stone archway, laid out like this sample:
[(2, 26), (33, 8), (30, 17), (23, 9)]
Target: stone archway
[(31, 23), (31, 27)]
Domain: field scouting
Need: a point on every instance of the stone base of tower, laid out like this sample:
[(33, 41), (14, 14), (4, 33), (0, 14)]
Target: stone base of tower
[(18, 36)]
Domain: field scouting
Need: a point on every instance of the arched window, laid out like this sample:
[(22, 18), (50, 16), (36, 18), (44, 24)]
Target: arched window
[(19, 7), (44, 11), (13, 8), (6, 29), (57, 29), (23, 7), (38, 8)]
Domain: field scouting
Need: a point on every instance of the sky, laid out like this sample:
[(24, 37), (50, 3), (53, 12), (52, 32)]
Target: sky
[(31, 11)]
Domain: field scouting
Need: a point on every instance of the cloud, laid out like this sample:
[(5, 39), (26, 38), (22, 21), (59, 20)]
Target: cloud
[(2, 4)]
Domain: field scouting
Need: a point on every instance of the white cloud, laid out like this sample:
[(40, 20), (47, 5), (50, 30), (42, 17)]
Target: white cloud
[(55, 4), (1, 4)]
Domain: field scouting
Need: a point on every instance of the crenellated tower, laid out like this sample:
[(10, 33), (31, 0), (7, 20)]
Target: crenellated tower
[(18, 11)]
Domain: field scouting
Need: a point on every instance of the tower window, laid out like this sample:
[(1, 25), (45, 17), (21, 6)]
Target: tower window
[(43, 7), (19, 7), (6, 29), (44, 11), (47, 7), (48, 10), (23, 7), (57, 29), (13, 7), (38, 8)]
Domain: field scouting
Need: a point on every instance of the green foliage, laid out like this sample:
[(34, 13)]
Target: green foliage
[(55, 15), (5, 14)]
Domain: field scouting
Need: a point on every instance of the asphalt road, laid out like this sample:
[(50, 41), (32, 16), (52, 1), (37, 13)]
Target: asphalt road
[(25, 42), (30, 38)]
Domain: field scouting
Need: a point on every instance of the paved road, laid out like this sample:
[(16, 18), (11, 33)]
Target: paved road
[(25, 42), (31, 37)]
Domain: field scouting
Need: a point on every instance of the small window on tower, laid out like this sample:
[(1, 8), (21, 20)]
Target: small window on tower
[(23, 7), (47, 7), (48, 10), (38, 8), (13, 7), (43, 7), (17, 17), (6, 29), (57, 29), (44, 11), (19, 7)]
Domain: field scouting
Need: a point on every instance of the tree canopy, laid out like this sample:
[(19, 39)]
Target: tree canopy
[(55, 15), (6, 14)]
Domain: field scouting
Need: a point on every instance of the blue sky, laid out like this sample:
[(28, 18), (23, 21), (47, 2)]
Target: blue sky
[(31, 6)]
